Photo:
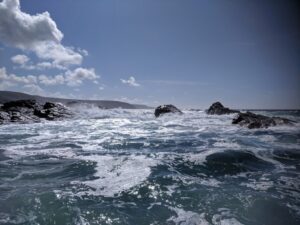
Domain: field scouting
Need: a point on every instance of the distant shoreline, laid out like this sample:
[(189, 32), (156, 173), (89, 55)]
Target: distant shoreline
[(6, 96)]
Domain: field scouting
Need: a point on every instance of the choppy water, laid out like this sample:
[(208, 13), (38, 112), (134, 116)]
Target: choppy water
[(127, 167)]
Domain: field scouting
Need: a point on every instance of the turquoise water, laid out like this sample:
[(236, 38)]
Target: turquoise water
[(127, 167)]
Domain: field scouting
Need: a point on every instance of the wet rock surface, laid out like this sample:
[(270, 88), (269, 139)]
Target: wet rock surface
[(24, 111), (163, 109), (218, 109), (252, 120)]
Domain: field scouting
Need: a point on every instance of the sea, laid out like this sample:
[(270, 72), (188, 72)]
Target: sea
[(127, 167)]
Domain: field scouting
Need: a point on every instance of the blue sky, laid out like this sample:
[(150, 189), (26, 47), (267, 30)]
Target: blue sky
[(245, 54)]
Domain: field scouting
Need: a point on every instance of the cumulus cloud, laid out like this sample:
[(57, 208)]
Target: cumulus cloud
[(42, 66), (37, 33), (70, 78), (60, 54), (55, 80), (34, 89), (83, 51), (20, 59), (12, 78), (27, 83), (75, 77), (131, 82), (24, 62)]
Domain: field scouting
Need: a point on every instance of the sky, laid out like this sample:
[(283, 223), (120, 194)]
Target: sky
[(191, 53)]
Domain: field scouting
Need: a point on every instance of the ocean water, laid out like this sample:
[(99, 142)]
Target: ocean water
[(128, 167)]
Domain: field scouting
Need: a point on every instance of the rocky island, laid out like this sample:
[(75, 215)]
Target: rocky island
[(163, 109), (248, 119)]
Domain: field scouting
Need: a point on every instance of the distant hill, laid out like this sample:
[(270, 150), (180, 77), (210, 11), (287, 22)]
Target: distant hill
[(6, 96)]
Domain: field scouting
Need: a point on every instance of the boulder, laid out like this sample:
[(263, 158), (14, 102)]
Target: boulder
[(218, 109), (24, 111), (162, 109), (53, 111), (49, 105), (252, 120)]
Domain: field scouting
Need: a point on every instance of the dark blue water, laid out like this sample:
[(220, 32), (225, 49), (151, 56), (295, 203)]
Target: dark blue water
[(127, 167)]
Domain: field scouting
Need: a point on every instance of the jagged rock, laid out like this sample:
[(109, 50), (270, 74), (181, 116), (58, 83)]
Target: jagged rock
[(51, 111), (252, 120), (24, 111), (218, 109), (162, 109), (49, 105), (4, 116)]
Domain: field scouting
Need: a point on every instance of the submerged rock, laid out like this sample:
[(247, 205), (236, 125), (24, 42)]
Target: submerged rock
[(218, 109), (162, 109), (252, 120), (30, 111)]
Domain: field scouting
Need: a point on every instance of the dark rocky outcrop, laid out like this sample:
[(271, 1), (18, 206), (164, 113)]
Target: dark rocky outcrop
[(162, 109), (30, 104), (24, 111), (218, 109), (248, 119), (252, 120)]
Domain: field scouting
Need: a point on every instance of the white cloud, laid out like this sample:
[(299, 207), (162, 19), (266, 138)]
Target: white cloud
[(75, 77), (24, 62), (34, 89), (20, 59), (131, 82), (12, 78), (60, 54), (55, 80), (31, 84), (6, 85), (71, 78), (27, 83), (83, 51), (37, 33), (42, 66)]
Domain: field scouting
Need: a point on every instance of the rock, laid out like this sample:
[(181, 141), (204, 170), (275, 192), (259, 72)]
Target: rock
[(24, 111), (252, 120), (162, 109), (20, 103), (51, 111), (4, 116), (49, 105), (218, 109)]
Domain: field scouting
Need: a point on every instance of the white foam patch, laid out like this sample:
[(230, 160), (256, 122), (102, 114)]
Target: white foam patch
[(230, 221), (19, 152), (224, 218), (200, 158), (268, 138), (229, 145), (187, 217), (117, 174), (259, 185), (210, 182)]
